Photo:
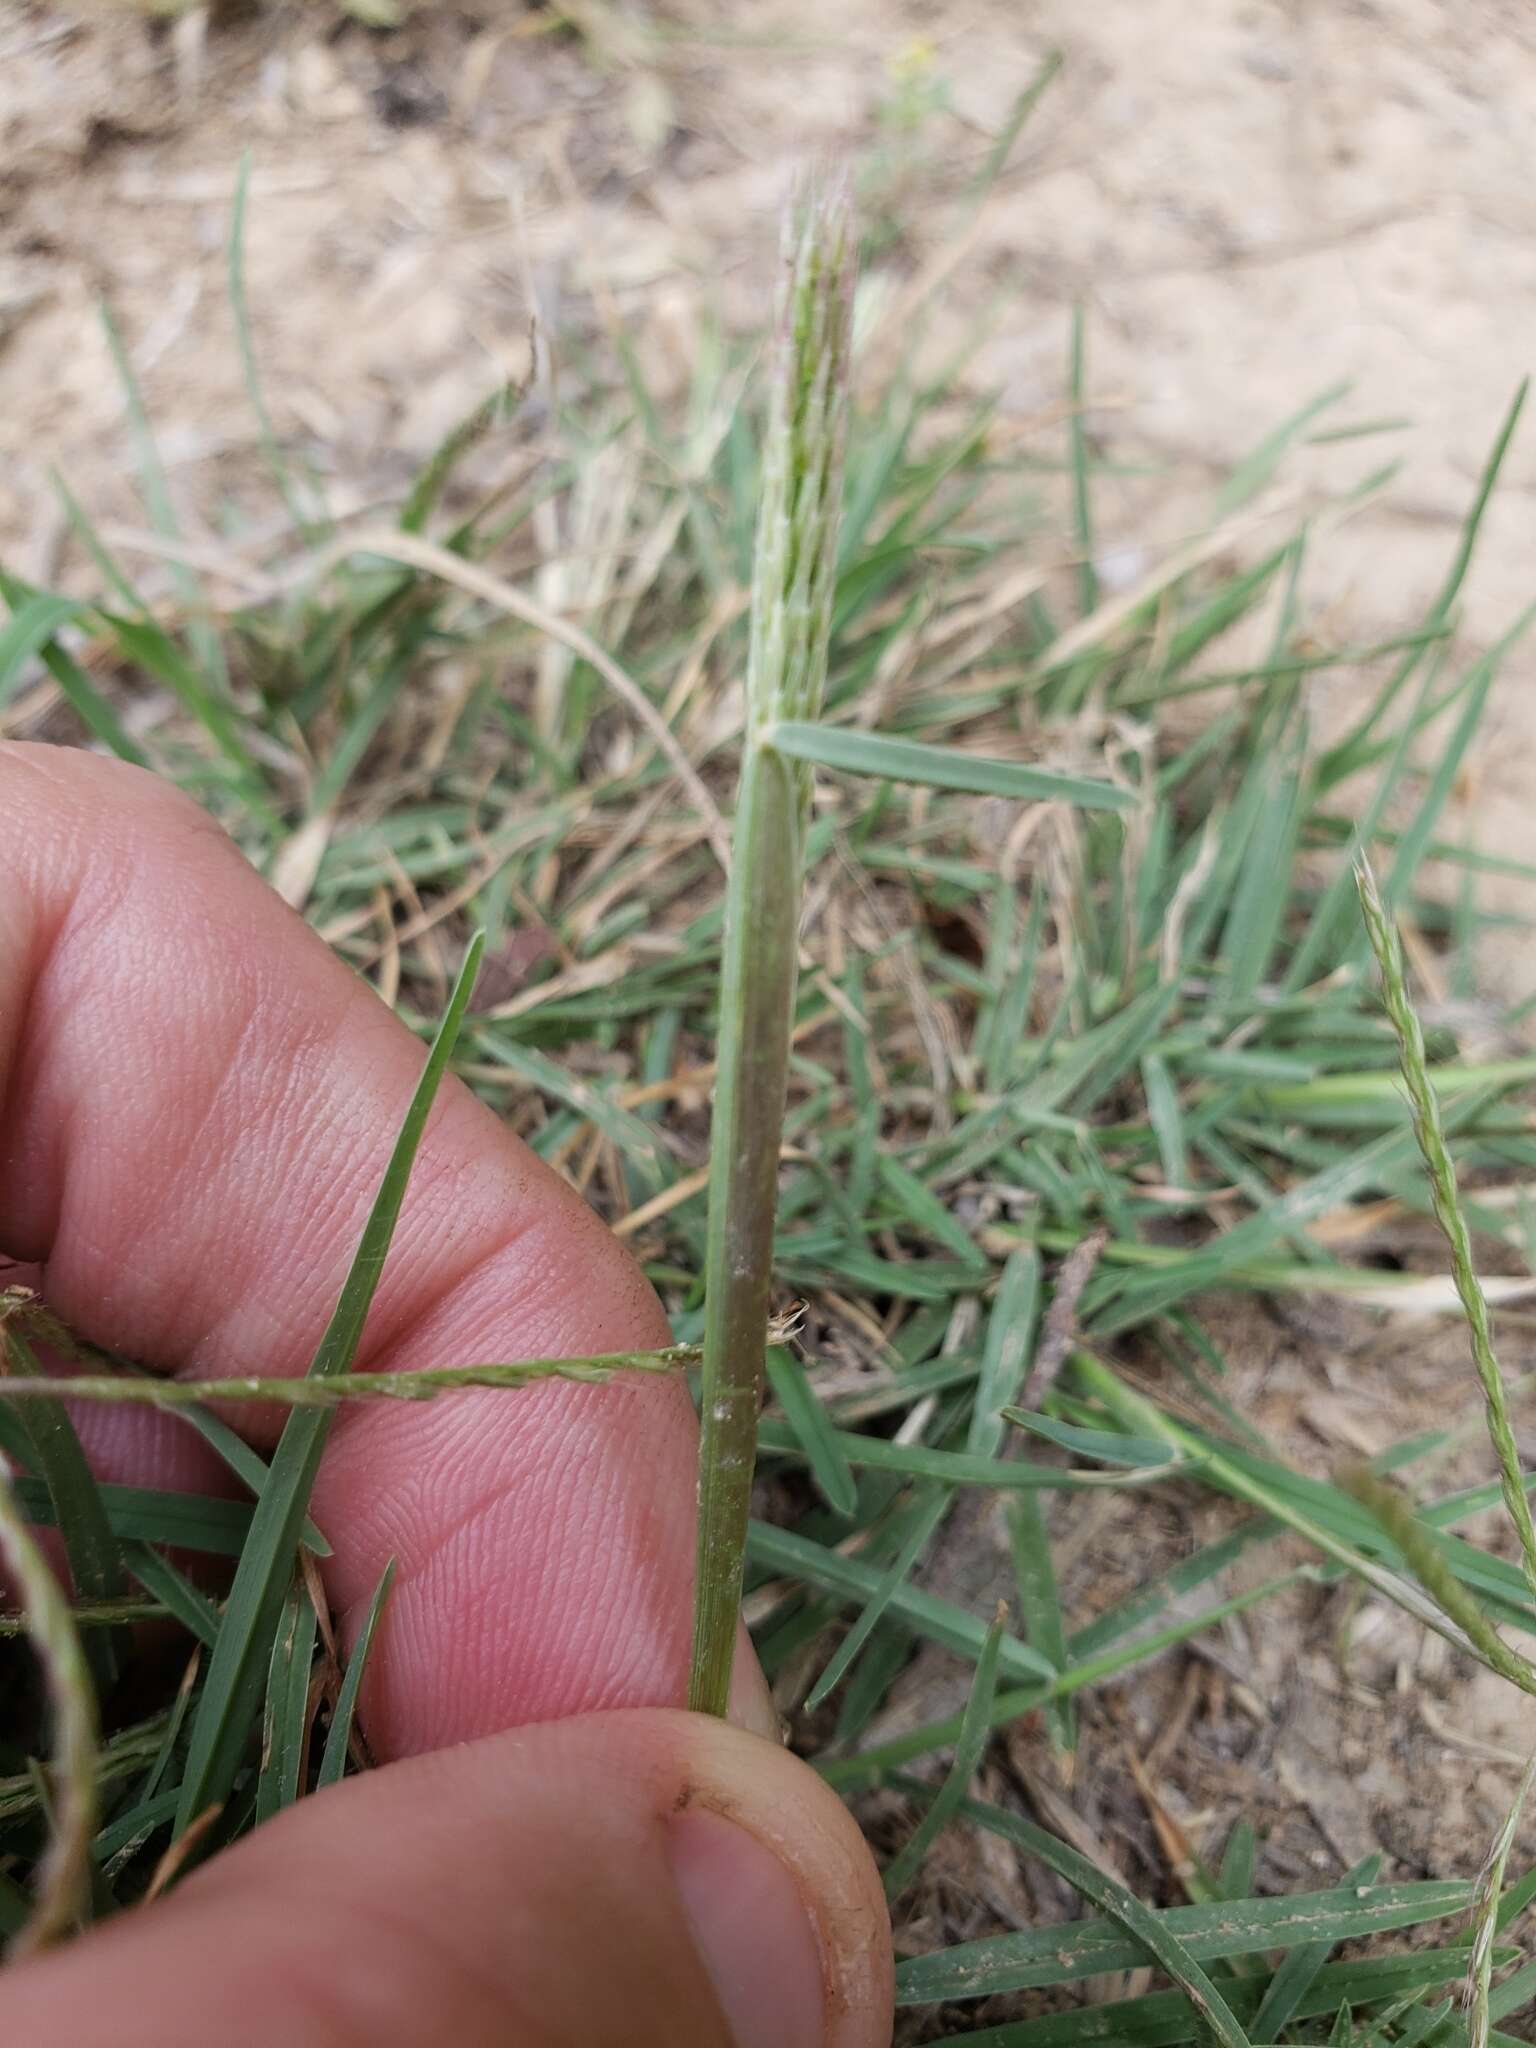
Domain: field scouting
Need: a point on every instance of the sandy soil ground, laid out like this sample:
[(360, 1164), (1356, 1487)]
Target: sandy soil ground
[(1255, 199)]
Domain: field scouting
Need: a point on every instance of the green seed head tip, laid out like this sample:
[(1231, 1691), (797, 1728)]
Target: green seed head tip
[(796, 569)]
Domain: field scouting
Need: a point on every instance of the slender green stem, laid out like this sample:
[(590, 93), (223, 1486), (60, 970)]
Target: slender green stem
[(64, 1878), (792, 592), (1082, 498), (93, 1614), (1430, 1132), (348, 1386)]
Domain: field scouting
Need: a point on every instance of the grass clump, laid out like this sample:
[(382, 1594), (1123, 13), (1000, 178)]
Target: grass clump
[(1073, 1031)]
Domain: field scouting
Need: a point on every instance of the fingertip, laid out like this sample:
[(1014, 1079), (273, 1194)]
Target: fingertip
[(791, 1813), (630, 1880)]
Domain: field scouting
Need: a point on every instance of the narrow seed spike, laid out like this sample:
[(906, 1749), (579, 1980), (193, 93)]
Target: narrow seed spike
[(1429, 1128)]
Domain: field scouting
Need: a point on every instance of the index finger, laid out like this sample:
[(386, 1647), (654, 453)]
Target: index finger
[(196, 1102)]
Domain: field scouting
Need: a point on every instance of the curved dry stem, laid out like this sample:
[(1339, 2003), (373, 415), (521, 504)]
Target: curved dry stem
[(416, 553), (64, 1876)]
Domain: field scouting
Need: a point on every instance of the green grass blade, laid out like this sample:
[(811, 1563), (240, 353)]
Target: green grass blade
[(957, 1468), (93, 710), (783, 1550), (1009, 1347), (1231, 1470), (285, 1725), (174, 1590), (1288, 1987), (1002, 145), (1257, 915), (35, 618), (922, 1212), (334, 1761), (1338, 760), (1104, 1446), (1081, 465), (165, 1755), (1165, 2019), (1040, 1603), (79, 1513), (85, 532), (1112, 1307), (189, 1521), (246, 1464), (150, 648), (1450, 753), (1008, 1025), (792, 1389), (1166, 1119), (1326, 929), (927, 1513), (221, 1726), (120, 1842), (893, 760), (1300, 1923), (1255, 471), (1424, 1556), (1148, 1932), (1158, 1596), (1235, 1878), (975, 1729), (1513, 1995), (78, 1510), (308, 525), (157, 500), (634, 1138), (887, 1655)]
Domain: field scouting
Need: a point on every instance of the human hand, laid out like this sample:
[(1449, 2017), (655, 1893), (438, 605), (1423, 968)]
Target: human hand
[(196, 1099)]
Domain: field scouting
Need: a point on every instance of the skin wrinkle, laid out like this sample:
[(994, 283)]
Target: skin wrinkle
[(609, 1498), (427, 1951), (293, 1106), (149, 1219), (402, 1305), (92, 908), (517, 1241), (23, 1059), (616, 1631)]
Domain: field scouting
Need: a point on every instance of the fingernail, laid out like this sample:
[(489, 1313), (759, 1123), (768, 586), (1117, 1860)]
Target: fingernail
[(752, 1930)]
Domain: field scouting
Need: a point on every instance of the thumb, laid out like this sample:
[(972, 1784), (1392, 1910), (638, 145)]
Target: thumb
[(649, 1878)]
